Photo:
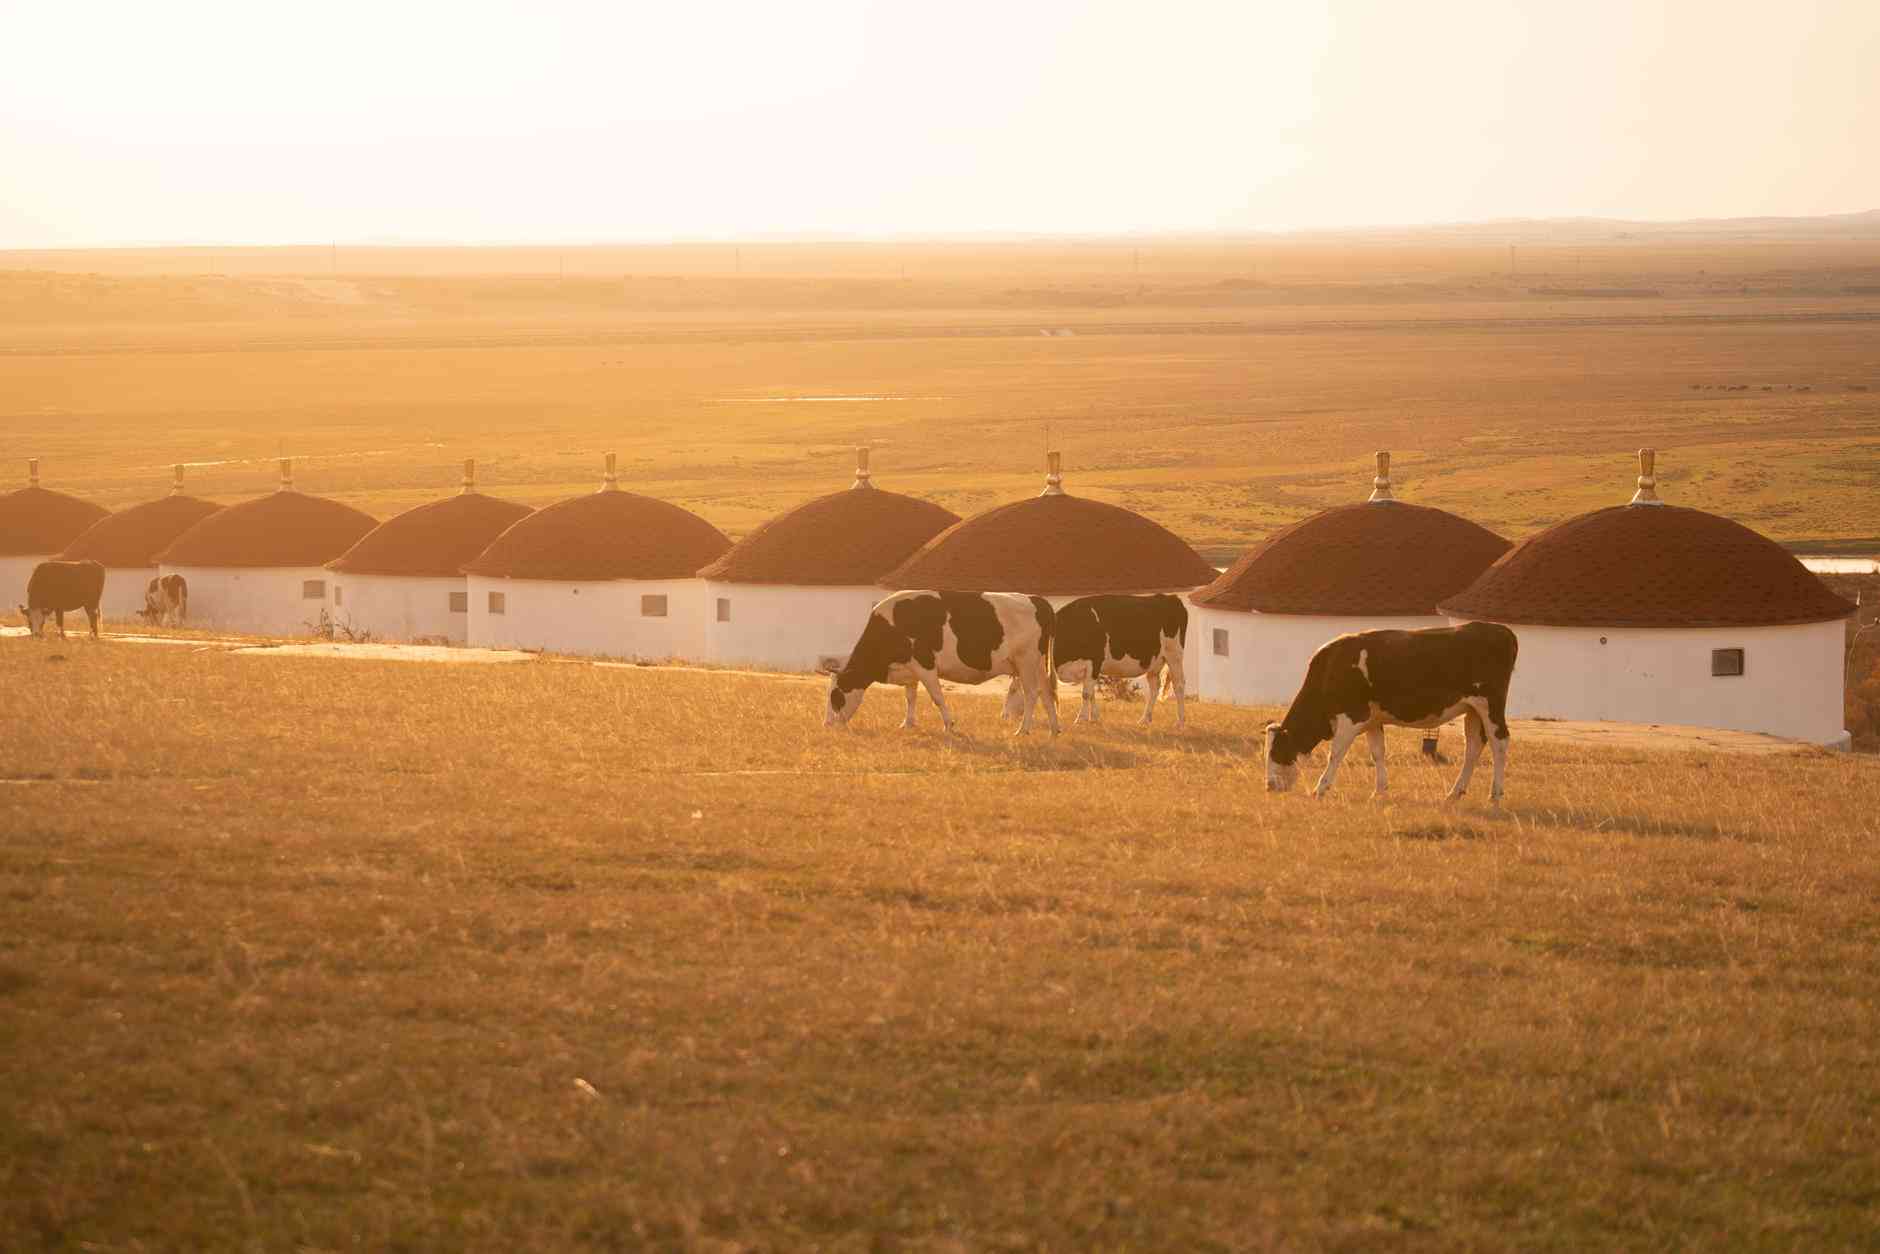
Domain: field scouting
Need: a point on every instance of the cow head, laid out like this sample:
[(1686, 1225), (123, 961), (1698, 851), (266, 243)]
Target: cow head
[(842, 702), (1282, 759)]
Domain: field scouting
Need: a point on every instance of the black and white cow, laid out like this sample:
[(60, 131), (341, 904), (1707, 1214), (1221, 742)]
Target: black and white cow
[(1122, 637), (1374, 679), (55, 587), (166, 600), (916, 639)]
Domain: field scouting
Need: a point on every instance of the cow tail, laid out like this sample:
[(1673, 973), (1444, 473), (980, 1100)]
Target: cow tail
[(1047, 639)]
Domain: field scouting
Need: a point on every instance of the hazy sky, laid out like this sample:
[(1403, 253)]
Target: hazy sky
[(268, 122)]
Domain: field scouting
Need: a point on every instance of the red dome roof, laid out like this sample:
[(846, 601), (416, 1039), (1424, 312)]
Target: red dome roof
[(37, 520), (1371, 558), (434, 539), (851, 537), (1053, 545), (604, 535), (1648, 566), (287, 528), (133, 537)]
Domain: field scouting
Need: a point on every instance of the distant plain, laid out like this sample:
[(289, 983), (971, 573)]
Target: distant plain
[(1223, 388)]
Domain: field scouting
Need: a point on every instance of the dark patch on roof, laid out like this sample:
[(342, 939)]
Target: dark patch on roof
[(133, 537), (1370, 558), (1054, 546), (1648, 566), (38, 520), (286, 528), (850, 537), (604, 535), (434, 539)]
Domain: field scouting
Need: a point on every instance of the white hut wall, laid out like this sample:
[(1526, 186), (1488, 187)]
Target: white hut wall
[(783, 626), (401, 607), (1249, 658), (266, 601), (1790, 685)]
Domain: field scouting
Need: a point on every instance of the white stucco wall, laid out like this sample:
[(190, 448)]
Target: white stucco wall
[(782, 626), (399, 607), (1791, 684), (263, 601), (14, 572), (601, 617), (124, 592), (1267, 653)]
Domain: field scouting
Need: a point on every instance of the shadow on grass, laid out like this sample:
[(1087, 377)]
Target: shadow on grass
[(1637, 825)]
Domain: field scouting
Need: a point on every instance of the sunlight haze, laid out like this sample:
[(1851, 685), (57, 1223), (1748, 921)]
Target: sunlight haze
[(240, 123)]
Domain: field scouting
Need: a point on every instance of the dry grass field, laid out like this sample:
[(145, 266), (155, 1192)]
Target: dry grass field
[(315, 954), (1222, 387)]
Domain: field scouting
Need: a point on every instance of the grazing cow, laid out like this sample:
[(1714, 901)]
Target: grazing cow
[(1123, 637), (1373, 679), (166, 600), (916, 639), (55, 587)]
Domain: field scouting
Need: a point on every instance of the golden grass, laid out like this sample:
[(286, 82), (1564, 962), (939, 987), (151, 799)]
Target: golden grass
[(369, 955), (1221, 404)]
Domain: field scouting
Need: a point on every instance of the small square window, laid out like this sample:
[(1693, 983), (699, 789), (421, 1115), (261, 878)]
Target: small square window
[(313, 590), (1220, 642), (724, 609), (460, 602), (653, 606), (496, 602), (1726, 662)]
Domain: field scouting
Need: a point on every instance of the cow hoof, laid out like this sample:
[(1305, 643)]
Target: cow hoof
[(1380, 795)]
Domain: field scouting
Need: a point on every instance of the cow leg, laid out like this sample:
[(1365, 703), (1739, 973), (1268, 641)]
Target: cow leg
[(1047, 693), (913, 691), (91, 615), (930, 680), (1498, 745), (1375, 734), (1343, 737), (60, 615), (1181, 692), (1024, 681), (1152, 680), (1472, 752), (1088, 711)]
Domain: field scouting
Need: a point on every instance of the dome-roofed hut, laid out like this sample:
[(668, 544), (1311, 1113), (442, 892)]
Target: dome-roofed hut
[(799, 588), (1654, 613), (1054, 545), (35, 523), (610, 573), (1373, 564), (404, 579), (126, 544), (260, 566)]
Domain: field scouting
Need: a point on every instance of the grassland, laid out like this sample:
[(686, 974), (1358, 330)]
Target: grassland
[(1224, 388), (311, 954)]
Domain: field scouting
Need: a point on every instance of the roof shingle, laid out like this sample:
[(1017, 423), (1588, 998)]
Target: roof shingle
[(604, 535), (133, 537), (435, 539), (1372, 558), (1054, 545), (285, 528), (1648, 566), (846, 538), (37, 520)]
